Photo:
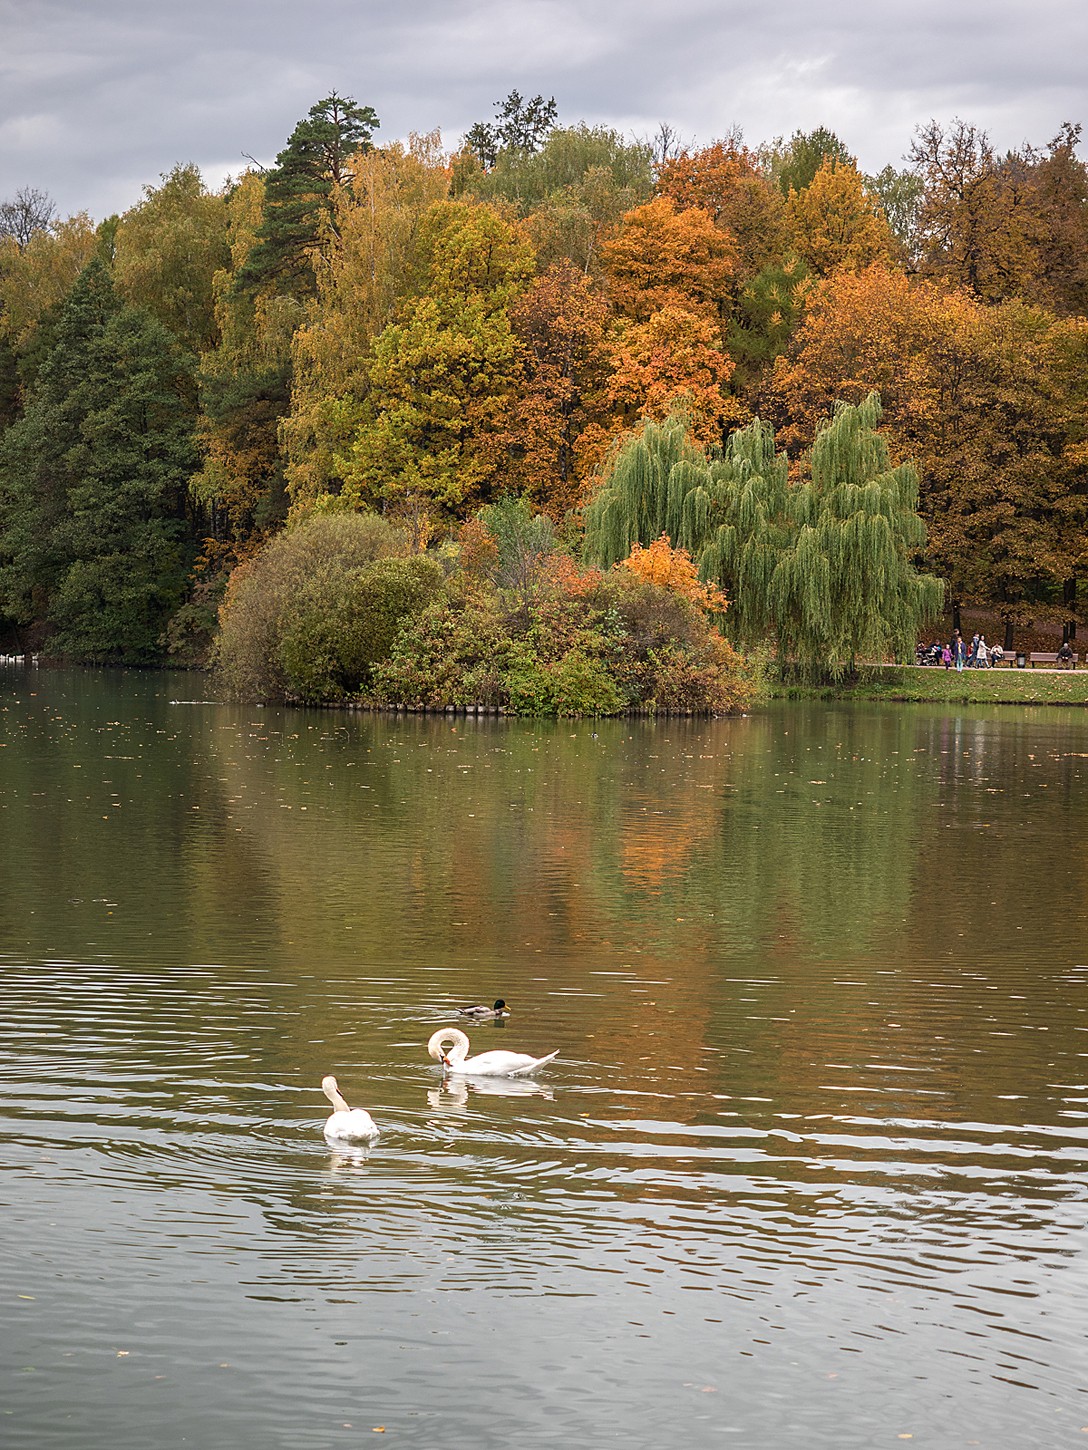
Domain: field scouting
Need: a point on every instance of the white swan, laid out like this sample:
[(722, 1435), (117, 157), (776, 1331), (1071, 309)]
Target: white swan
[(346, 1125), (484, 1064)]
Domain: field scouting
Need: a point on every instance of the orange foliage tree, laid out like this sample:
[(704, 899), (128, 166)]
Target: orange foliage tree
[(673, 569), (727, 181), (560, 323), (675, 356), (862, 330), (666, 257), (989, 400)]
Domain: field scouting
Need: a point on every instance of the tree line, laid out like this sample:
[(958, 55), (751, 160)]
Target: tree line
[(568, 318)]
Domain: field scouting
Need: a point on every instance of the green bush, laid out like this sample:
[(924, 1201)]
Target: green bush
[(583, 684), (347, 623), (265, 593), (579, 680), (451, 654)]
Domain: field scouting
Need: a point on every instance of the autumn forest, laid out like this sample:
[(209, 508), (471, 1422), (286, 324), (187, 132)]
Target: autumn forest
[(556, 420)]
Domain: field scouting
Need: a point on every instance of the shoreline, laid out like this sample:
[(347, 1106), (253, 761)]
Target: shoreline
[(930, 684)]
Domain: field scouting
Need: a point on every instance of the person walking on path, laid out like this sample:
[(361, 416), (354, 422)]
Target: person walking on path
[(959, 649)]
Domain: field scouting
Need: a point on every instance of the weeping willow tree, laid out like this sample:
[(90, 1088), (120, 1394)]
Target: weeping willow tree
[(824, 567)]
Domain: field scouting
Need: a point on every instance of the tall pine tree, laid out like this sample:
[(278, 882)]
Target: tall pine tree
[(298, 194), (94, 538)]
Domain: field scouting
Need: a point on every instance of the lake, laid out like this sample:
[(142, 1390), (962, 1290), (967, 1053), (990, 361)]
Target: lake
[(809, 1169)]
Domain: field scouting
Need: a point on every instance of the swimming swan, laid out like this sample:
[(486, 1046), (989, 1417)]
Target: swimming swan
[(484, 1064), (346, 1125), (481, 1013)]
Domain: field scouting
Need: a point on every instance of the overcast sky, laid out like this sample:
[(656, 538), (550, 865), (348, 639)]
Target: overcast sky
[(100, 97)]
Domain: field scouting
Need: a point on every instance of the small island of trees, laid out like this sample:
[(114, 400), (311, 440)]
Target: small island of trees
[(558, 422)]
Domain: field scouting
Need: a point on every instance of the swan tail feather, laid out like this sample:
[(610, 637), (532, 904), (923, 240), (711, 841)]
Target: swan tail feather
[(532, 1066)]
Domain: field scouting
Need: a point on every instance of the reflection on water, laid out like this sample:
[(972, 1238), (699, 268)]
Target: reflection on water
[(808, 1170)]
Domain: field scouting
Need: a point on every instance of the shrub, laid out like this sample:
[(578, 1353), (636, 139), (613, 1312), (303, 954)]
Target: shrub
[(264, 594), (651, 615), (347, 623), (448, 655), (583, 684), (672, 657), (698, 680)]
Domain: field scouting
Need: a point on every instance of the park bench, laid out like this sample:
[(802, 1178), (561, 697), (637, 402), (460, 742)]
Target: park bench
[(1042, 657)]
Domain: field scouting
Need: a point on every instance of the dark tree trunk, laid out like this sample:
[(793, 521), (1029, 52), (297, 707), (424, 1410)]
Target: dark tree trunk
[(1069, 599)]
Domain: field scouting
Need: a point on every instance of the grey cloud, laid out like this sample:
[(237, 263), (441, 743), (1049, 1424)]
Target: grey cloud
[(100, 99)]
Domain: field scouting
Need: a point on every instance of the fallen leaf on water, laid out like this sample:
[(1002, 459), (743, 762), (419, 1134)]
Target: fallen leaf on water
[(378, 1429), (122, 1354)]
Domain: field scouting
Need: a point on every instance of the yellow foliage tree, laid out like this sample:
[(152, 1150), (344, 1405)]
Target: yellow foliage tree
[(673, 569), (836, 224), (40, 275), (370, 265), (442, 379), (167, 250)]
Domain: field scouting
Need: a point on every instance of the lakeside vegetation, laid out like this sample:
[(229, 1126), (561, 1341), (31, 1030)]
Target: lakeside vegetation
[(910, 684), (621, 421)]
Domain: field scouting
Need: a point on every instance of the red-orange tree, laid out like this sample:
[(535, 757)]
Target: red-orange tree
[(560, 322), (666, 257), (727, 181), (990, 402)]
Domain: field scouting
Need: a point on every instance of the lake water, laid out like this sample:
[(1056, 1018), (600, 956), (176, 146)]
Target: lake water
[(809, 1170)]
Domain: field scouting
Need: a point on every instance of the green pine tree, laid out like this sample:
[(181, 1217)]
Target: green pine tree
[(298, 194), (94, 536)]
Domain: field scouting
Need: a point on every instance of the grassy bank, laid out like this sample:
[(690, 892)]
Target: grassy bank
[(1002, 686)]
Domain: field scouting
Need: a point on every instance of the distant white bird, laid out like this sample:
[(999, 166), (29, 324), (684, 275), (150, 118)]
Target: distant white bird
[(481, 1013), (346, 1125), (484, 1064)]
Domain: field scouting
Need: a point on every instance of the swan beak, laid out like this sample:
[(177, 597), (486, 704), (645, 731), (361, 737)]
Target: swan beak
[(444, 1060)]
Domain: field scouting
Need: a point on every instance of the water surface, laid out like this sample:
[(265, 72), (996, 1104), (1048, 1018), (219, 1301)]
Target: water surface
[(810, 1167)]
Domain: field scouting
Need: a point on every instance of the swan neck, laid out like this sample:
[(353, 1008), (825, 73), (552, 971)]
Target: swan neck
[(334, 1095), (455, 1053)]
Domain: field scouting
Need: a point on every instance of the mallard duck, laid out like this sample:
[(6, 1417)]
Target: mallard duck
[(480, 1012)]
